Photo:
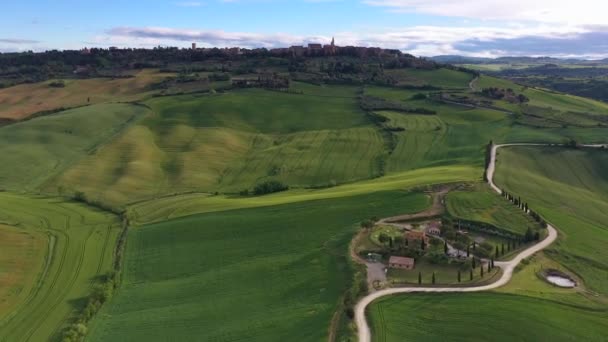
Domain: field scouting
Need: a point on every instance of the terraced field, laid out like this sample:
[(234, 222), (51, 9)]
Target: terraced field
[(81, 244), (21, 101), (482, 316), (261, 274), (39, 149)]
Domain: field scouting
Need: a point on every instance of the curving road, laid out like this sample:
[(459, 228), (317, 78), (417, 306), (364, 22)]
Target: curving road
[(507, 267)]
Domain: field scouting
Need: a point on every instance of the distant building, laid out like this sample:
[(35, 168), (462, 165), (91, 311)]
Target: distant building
[(313, 46), (297, 50), (193, 46), (412, 236), (401, 263)]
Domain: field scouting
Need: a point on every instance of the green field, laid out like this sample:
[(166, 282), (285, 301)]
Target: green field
[(263, 274), (81, 243), (444, 78), (38, 149), (481, 204), (568, 187), (482, 317), (22, 259), (184, 205), (230, 142)]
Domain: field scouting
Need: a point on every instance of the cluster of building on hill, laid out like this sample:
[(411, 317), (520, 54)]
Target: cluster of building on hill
[(310, 50)]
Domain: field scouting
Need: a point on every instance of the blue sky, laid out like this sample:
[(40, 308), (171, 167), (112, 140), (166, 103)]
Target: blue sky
[(422, 27)]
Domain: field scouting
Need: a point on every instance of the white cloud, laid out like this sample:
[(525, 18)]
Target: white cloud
[(548, 11)]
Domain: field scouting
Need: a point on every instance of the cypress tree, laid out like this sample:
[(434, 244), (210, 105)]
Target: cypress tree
[(422, 244), (445, 247), (481, 271), (473, 264), (471, 275), (468, 252), (502, 250), (433, 280), (419, 278), (489, 266), (496, 253), (459, 276)]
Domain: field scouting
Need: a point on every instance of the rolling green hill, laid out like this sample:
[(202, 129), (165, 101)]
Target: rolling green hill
[(40, 148), (568, 187)]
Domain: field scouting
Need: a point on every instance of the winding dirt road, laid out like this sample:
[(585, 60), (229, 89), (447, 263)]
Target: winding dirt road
[(508, 266)]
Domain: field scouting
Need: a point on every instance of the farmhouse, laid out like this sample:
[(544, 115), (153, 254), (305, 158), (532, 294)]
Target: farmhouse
[(413, 236), (401, 263)]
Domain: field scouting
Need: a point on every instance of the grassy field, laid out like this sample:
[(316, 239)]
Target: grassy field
[(80, 248), (568, 187), (39, 149), (231, 142), (21, 262), (547, 99), (262, 274), (444, 78), (483, 205), (482, 317), (184, 205), (21, 101)]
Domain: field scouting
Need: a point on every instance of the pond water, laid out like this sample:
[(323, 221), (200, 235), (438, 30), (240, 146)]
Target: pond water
[(561, 281)]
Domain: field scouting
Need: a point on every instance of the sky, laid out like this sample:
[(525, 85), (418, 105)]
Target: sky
[(480, 28)]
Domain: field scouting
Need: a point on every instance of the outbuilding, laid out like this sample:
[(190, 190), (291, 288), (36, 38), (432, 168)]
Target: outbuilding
[(403, 263)]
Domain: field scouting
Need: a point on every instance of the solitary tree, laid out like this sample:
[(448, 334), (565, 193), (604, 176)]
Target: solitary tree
[(489, 266), (459, 276), (419, 278), (468, 252), (433, 279), (496, 253), (445, 247), (502, 249), (473, 264), (481, 271), (471, 275)]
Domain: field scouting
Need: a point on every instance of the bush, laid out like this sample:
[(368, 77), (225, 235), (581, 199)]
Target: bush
[(269, 187)]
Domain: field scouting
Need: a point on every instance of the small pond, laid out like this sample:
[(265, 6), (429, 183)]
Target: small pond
[(558, 278)]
